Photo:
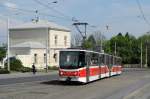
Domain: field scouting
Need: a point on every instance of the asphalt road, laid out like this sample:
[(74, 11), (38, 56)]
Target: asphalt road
[(8, 81), (49, 87)]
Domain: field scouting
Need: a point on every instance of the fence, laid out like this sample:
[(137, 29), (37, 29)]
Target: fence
[(133, 66)]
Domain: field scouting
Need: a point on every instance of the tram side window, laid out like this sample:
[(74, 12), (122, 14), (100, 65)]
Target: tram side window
[(102, 59), (111, 60), (81, 59), (107, 60), (117, 61), (94, 59)]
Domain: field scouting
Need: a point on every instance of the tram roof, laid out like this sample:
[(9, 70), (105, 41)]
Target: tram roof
[(80, 50), (88, 51)]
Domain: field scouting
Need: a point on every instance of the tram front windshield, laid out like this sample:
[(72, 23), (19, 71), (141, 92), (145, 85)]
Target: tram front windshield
[(72, 59)]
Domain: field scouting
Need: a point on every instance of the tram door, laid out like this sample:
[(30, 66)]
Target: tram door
[(87, 57), (101, 63)]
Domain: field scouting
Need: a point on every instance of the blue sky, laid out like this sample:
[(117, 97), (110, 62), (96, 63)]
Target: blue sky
[(120, 15)]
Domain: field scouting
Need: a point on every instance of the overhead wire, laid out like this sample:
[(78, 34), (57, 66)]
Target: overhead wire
[(52, 9), (63, 16), (41, 13), (142, 12)]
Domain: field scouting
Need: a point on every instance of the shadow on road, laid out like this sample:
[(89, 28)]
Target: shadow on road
[(61, 83)]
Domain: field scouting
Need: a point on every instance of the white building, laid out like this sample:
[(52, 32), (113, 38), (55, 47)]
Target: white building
[(39, 43)]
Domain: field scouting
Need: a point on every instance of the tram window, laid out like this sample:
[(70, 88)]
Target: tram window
[(101, 59), (117, 61), (106, 59), (81, 59), (69, 59), (111, 60), (94, 59)]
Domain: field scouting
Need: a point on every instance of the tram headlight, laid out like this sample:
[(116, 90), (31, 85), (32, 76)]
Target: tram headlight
[(61, 73)]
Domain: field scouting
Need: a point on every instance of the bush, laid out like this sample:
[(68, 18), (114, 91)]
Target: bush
[(4, 71), (15, 64), (53, 68), (25, 69)]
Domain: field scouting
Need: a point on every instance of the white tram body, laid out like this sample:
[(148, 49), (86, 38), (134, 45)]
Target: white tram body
[(86, 66)]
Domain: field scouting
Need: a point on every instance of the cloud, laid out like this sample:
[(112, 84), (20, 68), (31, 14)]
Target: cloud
[(10, 5)]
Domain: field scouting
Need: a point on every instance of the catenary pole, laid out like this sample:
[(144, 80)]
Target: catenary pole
[(8, 46), (141, 55), (146, 56)]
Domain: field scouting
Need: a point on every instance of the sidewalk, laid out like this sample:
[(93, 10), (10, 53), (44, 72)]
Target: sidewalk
[(29, 74)]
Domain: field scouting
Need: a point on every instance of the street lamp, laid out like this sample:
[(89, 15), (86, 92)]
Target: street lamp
[(8, 43), (141, 54), (146, 43), (8, 46)]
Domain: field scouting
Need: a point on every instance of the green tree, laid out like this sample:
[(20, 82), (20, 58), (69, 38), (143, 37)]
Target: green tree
[(145, 40), (15, 64), (2, 53), (127, 48), (86, 44), (89, 43)]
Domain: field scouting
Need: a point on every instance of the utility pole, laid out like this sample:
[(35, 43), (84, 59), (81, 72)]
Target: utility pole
[(146, 55), (47, 49), (141, 55), (146, 48), (107, 28), (8, 46), (115, 48), (83, 34), (101, 42)]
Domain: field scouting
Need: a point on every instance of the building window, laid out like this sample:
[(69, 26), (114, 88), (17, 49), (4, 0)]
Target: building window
[(35, 58), (65, 40), (55, 39), (44, 57), (55, 57)]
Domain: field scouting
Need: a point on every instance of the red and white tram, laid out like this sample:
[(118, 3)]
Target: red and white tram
[(86, 66)]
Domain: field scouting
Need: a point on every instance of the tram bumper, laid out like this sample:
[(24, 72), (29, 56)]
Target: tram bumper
[(76, 79), (68, 79)]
